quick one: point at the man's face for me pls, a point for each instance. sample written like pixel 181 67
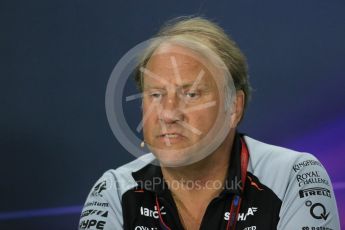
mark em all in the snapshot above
pixel 180 105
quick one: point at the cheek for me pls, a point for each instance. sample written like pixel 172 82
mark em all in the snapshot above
pixel 144 106
pixel 203 120
pixel 149 121
pixel 148 128
pixel 148 111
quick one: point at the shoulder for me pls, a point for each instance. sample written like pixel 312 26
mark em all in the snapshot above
pixel 301 183
pixel 103 206
pixel 122 178
pixel 260 149
pixel 276 166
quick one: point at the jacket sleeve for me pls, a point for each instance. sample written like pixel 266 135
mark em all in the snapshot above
pixel 309 202
pixel 102 209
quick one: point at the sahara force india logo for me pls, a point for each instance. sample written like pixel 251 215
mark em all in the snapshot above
pixel 99 188
pixel 242 216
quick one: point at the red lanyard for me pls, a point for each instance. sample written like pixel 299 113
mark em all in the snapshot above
pixel 236 201
pixel 163 225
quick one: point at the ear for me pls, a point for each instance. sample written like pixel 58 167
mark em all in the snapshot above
pixel 237 109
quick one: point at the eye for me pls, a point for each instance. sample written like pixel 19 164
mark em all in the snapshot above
pixel 192 94
pixel 156 95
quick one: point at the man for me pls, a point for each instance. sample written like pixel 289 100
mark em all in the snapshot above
pixel 203 174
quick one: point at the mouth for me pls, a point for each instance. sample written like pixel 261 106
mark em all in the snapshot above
pixel 171 137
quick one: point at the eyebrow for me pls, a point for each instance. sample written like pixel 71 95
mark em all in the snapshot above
pixel 189 85
pixel 184 86
pixel 146 87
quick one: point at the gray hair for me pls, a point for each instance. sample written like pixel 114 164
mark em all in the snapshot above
pixel 209 35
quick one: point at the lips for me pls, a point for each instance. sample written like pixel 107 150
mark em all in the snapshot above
pixel 173 137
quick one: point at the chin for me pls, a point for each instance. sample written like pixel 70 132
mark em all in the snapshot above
pixel 175 158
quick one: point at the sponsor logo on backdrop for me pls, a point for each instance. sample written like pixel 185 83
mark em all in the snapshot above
pixel 314 192
pixel 312 177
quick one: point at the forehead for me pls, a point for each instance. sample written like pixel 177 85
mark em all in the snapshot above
pixel 185 58
pixel 174 62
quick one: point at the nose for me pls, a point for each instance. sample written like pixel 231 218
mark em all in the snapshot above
pixel 170 110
